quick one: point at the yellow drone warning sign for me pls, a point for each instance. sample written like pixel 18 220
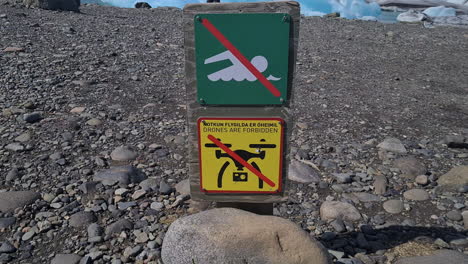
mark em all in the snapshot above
pixel 240 155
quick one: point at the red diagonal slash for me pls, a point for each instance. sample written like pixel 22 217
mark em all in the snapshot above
pixel 241 161
pixel 228 45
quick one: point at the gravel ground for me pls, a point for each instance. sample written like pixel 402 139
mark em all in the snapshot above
pixel 76 87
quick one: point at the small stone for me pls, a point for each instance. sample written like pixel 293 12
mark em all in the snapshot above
pixel 66 259
pixel 28 235
pixel 56 205
pixel 157 206
pixel 416 195
pixel 123 175
pixel 183 187
pixel 9 201
pixel 118 227
pixel 132 252
pixel 140 236
pixel 12 175
pixel 7 222
pixel 81 219
pixel 393 206
pixel 56 156
pixel 78 110
pixel 410 166
pixel 94 122
pixel 454 215
pixel 338 225
pixel 16 147
pixel 380 184
pixel 150 184
pixel 164 188
pixel 125 205
pixel 94 230
pixel 32 117
pixel 343 177
pixel 123 153
pixel 465 219
pixel 302 173
pixel 7 247
pixel 13 49
pixel 422 180
pixel 392 145
pixel 441 243
pixel 25 137
pixel 331 210
pixel 138 194
pixel 121 191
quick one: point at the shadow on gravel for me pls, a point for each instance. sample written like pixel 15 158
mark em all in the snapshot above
pixel 371 240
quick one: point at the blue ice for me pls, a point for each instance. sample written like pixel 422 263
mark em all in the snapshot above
pixel 347 8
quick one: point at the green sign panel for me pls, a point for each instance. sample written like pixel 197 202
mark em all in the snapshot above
pixel 242 59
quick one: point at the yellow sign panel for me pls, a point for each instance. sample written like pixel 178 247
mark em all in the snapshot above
pixel 240 155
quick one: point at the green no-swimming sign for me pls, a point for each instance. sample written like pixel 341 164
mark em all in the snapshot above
pixel 242 59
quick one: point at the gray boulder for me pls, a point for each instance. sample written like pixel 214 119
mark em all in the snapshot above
pixel 9 201
pixel 441 256
pixel 123 175
pixel 65 5
pixel 227 235
pixel 455 178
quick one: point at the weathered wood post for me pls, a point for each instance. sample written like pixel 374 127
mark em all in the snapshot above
pixel 240 63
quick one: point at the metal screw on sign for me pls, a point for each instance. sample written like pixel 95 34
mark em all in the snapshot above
pixel 282 100
pixel 202 101
pixel 286 19
pixel 198 18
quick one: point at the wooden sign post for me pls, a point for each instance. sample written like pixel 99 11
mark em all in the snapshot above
pixel 240 62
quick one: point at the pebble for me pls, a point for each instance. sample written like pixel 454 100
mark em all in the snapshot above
pixel 331 210
pixel 157 206
pixel 25 137
pixel 454 215
pixel 302 173
pixel 7 247
pixel 28 235
pixel 380 184
pixel 123 153
pixel 393 206
pixel 66 259
pixel 16 147
pixel 164 188
pixel 416 195
pixel 81 219
pixel 6 222
pixel 392 145
pixel 422 180
pixel 119 226
pixel 94 122
pixel 138 194
pixel 12 175
pixel 32 117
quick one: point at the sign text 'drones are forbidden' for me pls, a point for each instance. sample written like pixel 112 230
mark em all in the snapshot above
pixel 240 155
pixel 242 59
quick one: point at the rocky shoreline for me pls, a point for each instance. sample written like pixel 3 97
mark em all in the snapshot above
pixel 93 138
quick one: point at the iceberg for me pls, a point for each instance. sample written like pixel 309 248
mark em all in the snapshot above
pixel 440 11
pixel 347 8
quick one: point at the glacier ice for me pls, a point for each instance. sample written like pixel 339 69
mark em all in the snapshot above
pixel 347 8
pixel 439 11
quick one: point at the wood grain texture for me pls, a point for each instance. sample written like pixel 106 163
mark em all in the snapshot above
pixel 195 110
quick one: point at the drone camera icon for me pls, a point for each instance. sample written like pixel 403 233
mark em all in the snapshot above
pixel 240 175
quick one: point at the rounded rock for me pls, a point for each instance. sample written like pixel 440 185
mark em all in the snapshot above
pixel 123 153
pixel 416 195
pixel 393 206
